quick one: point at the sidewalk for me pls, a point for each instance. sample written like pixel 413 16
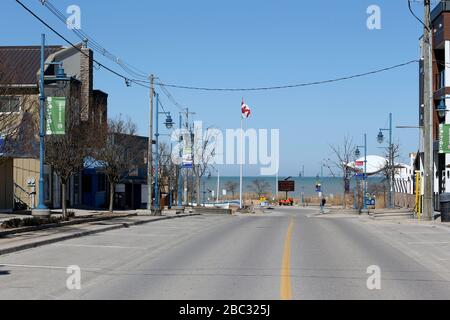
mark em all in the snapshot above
pixel 398 216
pixel 27 240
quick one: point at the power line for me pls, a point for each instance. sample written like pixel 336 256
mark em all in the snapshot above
pixel 145 83
pixel 414 15
pixel 171 98
pixel 135 72
pixel 127 80
pixel 305 84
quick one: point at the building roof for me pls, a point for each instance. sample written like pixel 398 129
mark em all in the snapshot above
pixel 442 6
pixel 375 164
pixel 19 65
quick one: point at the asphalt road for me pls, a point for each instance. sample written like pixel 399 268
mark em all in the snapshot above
pixel 287 254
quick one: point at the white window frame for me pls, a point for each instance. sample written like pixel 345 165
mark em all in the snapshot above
pixel 13 112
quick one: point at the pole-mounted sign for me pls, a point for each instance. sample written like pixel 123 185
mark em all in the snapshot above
pixel 444 138
pixel 188 162
pixel 55 116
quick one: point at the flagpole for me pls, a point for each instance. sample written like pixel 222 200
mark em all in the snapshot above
pixel 242 162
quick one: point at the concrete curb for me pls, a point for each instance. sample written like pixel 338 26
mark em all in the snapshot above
pixel 86 233
pixel 63 224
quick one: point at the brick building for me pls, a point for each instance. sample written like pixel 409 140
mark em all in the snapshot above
pixel 19 119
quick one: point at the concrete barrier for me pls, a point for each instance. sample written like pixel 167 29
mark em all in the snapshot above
pixel 179 210
pixel 203 210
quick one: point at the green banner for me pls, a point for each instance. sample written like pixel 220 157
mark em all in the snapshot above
pixel 55 116
pixel 444 138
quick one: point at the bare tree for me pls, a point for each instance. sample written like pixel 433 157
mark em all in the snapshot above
pixel 167 177
pixel 66 153
pixel 260 187
pixel 232 187
pixel 121 154
pixel 19 120
pixel 344 155
pixel 390 171
pixel 204 153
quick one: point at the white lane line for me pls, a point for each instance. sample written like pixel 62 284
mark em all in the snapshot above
pixel 97 246
pixel 428 242
pixel 41 267
pixel 144 235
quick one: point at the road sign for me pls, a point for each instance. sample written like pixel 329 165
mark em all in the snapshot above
pixel 286 186
pixel 55 116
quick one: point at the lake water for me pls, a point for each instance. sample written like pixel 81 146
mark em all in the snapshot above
pixel 330 185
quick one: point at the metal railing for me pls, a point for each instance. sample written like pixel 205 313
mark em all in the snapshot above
pixel 19 194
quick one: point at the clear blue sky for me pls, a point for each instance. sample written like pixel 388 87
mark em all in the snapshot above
pixel 248 43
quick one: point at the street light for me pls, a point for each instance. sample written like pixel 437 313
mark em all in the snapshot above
pixel 381 139
pixel 60 78
pixel 169 125
pixel 169 122
pixel 442 108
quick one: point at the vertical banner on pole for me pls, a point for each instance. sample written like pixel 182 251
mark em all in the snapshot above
pixel 444 138
pixel 55 116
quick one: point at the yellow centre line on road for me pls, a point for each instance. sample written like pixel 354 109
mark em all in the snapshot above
pixel 285 286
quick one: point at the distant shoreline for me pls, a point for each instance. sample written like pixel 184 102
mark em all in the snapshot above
pixel 331 186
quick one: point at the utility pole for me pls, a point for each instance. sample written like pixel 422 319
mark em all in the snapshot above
pixel 150 147
pixel 392 164
pixel 180 167
pixel 428 203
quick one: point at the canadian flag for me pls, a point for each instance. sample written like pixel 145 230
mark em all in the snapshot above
pixel 246 111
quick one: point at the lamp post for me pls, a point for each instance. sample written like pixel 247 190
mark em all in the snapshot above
pixel 358 154
pixel 42 210
pixel 380 139
pixel 170 181
pixel 169 125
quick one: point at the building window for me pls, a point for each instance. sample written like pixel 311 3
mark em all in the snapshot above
pixel 9 104
pixel 442 79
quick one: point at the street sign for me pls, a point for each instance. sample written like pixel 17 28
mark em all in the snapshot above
pixel 55 116
pixel 359 175
pixel 187 163
pixel 444 138
pixel 286 186
pixel 2 145
pixel 359 164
